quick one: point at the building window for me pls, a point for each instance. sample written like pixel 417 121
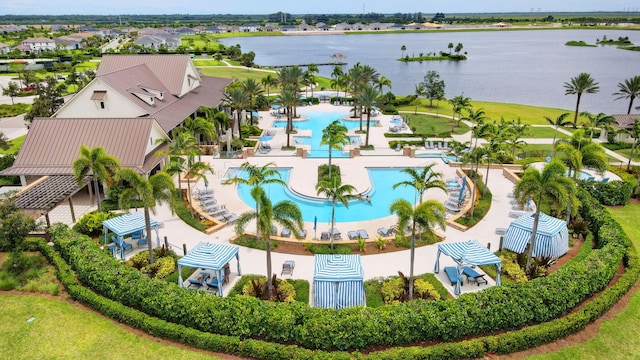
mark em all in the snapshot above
pixel 101 104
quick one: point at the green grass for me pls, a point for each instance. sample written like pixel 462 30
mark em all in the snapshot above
pixel 432 125
pixel 14 146
pixel 211 62
pixel 579 43
pixel 62 330
pixel 236 73
pixel 616 338
pixel 544 133
pixel 496 111
pixel 10 110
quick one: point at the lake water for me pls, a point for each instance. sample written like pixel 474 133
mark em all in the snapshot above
pixel 523 67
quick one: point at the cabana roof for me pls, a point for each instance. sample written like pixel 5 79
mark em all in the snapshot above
pixel 552 236
pixel 338 268
pixel 469 252
pixel 209 256
pixel 127 224
pixel 338 281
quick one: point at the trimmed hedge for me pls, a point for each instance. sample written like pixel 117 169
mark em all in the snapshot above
pixel 609 237
pixel 495 309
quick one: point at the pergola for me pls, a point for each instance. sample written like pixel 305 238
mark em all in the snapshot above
pixel 46 193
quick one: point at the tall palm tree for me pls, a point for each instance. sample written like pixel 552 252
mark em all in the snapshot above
pixel 237 99
pixel 403 48
pixel 258 176
pixel 183 143
pixel 252 88
pixel 285 213
pixel 311 70
pixel 427 215
pixel 368 98
pixel 561 120
pixel 599 120
pixel 291 76
pixel 634 132
pixel 158 189
pixel 515 133
pixel 548 186
pixel 101 165
pixel 335 136
pixel 581 84
pixel 289 99
pixel 198 127
pixel 459 104
pixel 422 180
pixel 269 82
pixel 629 89
pixel 335 192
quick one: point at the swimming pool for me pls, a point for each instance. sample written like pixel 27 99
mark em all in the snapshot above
pixel 381 194
pixel 316 123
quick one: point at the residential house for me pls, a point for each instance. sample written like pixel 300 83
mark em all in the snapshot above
pixel 159 39
pixel 306 27
pixel 249 27
pixel 39 44
pixel 68 42
pixel 269 27
pixel 322 26
pixel 288 27
pixel 4 49
pixel 624 122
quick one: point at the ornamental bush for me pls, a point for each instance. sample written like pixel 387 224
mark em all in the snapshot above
pixel 497 308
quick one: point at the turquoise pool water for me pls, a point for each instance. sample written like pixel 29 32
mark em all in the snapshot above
pixel 382 195
pixel 316 123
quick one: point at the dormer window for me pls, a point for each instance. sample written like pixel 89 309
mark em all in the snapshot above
pixel 143 95
pixel 98 97
pixel 157 93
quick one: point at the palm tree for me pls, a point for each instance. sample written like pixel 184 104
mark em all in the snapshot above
pixel 285 213
pixel 158 189
pixel 337 78
pixel 458 104
pixel 291 76
pixel 558 122
pixel 635 135
pixel 258 176
pixel 268 82
pixel 183 144
pixel 450 46
pixel 101 165
pixel 579 85
pixel 335 192
pixel 548 186
pixel 311 70
pixel 368 98
pixel 629 89
pixel 599 120
pixel 426 215
pixel 403 48
pixel 580 151
pixel 514 133
pixel 476 118
pixel 198 127
pixel 335 136
pixel 252 88
pixel 289 99
pixel 382 82
pixel 422 180
pixel 237 99
pixel 196 170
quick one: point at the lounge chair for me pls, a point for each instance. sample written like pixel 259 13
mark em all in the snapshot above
pixel 363 234
pixel 287 267
pixel 591 178
pixel 230 217
pixel 385 231
pixel 474 276
pixel 285 232
pixel 336 234
pixel 303 234
pixel 208 201
pixel 199 279
pixel 137 235
pixel 452 274
pixel 220 211
pixel 143 241
pixel 352 235
pixel 324 235
pixel 213 282
pixel 516 214
pixel 501 231
pixel 604 180
pixel 451 208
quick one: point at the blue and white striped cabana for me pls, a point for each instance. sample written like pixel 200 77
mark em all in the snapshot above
pixel 338 281
pixel 552 236
pixel 210 257
pixel 467 253
pixel 128 224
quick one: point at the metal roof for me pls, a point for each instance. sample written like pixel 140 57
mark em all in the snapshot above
pixel 52 144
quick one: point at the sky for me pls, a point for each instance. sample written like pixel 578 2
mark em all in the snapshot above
pixel 119 7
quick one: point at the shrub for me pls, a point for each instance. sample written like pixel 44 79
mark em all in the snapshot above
pixel 282 291
pixel 513 270
pixel 382 243
pixel 395 290
pixel 361 243
pixel 611 193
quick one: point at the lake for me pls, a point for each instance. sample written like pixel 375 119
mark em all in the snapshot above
pixel 524 67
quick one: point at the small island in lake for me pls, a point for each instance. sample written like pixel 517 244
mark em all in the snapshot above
pixel 579 43
pixel 433 56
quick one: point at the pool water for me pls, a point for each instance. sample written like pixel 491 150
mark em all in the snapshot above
pixel 316 123
pixel 381 194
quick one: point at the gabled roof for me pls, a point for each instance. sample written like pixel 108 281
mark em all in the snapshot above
pixel 129 81
pixel 37 40
pixel 53 144
pixel 169 69
pixel 625 121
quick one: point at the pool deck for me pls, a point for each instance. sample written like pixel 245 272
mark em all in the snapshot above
pixel 303 180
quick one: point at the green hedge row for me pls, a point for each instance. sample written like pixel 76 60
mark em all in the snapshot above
pixel 611 193
pixel 496 309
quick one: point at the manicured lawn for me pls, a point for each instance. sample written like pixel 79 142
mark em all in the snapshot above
pixel 617 338
pixel 15 146
pixel 198 62
pixel 60 330
pixel 496 111
pixel 545 132
pixel 428 124
pixel 235 73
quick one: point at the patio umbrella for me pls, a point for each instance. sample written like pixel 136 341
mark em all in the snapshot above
pixel 275 106
pixel 395 122
pixel 265 138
